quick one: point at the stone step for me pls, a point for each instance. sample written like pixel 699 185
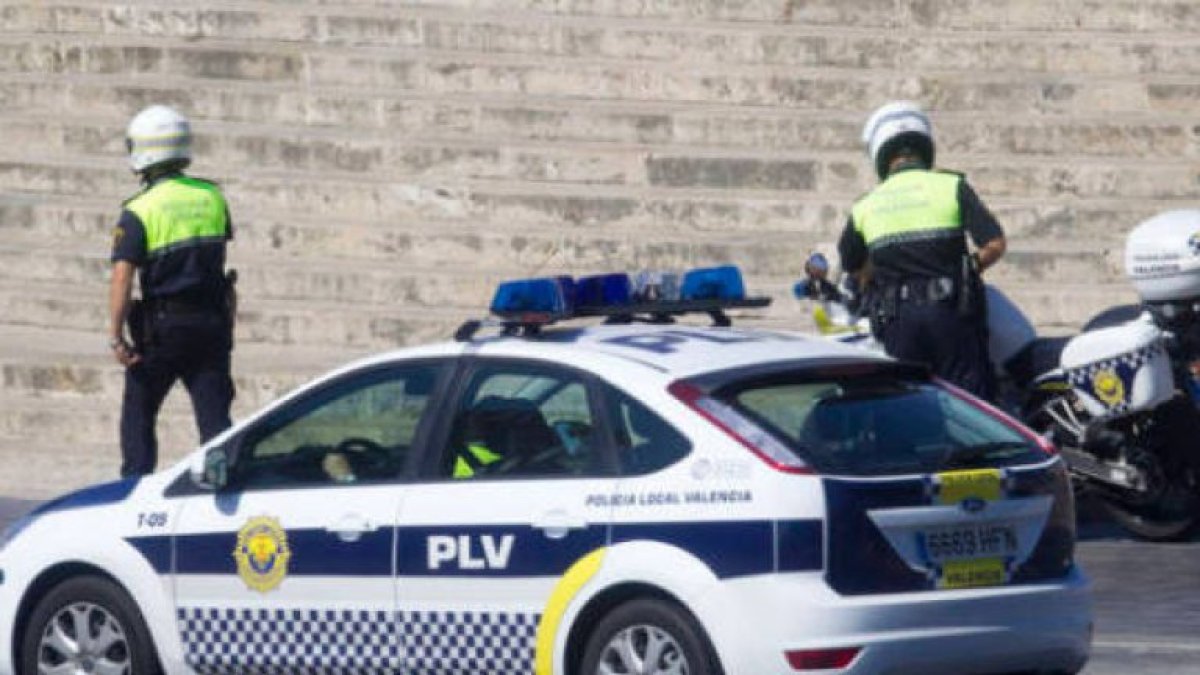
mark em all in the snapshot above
pixel 309 323
pixel 834 169
pixel 262 246
pixel 530 230
pixel 681 179
pixel 486 75
pixel 1038 15
pixel 457 283
pixel 377 247
pixel 796 44
pixel 37 362
pixel 1169 132
pixel 71 422
pixel 283 323
pixel 40 469
pixel 376 21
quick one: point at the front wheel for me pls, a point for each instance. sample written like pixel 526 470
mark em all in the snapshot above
pixel 648 636
pixel 89 625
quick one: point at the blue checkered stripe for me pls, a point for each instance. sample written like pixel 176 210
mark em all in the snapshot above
pixel 1125 366
pixel 468 643
pixel 220 641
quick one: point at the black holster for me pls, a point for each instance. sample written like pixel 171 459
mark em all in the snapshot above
pixel 231 303
pixel 972 299
pixel 880 307
pixel 138 322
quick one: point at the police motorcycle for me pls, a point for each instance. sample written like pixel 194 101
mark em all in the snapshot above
pixel 1120 400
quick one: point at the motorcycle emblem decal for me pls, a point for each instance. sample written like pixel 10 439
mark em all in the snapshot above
pixel 1108 387
pixel 262 554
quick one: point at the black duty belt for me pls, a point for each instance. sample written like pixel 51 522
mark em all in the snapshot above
pixel 176 306
pixel 921 291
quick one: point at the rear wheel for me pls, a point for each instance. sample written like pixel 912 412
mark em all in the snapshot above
pixel 648 636
pixel 1170 513
pixel 87 625
pixel 1169 508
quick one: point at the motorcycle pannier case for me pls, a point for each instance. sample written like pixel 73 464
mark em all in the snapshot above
pixel 1119 370
pixel 1162 257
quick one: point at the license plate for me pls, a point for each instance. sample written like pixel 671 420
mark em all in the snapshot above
pixel 969 542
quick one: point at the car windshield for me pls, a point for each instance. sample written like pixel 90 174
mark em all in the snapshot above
pixel 879 425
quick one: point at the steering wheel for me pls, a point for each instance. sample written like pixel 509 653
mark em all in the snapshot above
pixel 365 455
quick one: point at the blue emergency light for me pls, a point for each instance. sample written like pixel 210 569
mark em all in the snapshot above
pixel 713 283
pixel 604 290
pixel 549 297
pixel 526 305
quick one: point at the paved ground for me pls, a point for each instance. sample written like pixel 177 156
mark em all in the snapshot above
pixel 1147 602
pixel 1147 599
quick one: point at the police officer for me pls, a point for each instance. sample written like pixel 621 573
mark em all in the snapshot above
pixel 174 233
pixel 906 241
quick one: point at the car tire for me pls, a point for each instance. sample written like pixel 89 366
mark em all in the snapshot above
pixel 95 607
pixel 651 627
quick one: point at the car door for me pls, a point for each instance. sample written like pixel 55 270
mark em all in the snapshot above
pixel 490 547
pixel 290 568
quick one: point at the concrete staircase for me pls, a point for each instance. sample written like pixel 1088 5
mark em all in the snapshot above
pixel 388 162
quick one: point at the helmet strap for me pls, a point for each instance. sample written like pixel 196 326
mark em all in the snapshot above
pixel 154 173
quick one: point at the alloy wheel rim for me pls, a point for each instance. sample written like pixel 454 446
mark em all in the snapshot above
pixel 83 639
pixel 642 650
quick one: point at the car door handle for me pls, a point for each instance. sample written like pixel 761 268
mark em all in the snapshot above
pixel 558 524
pixel 351 527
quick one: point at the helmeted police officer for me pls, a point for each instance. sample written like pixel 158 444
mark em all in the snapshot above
pixel 906 240
pixel 174 233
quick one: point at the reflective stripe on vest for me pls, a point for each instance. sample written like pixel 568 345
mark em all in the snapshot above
pixel 180 212
pixel 910 206
pixel 482 456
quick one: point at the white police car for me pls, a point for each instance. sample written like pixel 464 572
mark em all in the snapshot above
pixel 614 499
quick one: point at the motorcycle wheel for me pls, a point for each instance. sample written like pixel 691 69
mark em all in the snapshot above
pixel 1173 514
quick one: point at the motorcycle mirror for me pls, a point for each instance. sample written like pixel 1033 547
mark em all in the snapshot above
pixel 817 266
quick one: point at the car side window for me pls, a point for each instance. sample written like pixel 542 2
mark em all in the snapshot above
pixel 516 421
pixel 645 442
pixel 359 430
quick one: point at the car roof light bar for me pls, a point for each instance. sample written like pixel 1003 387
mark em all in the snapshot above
pixel 525 306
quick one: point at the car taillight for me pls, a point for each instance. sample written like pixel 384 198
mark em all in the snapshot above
pixel 821 659
pixel 1043 443
pixel 754 438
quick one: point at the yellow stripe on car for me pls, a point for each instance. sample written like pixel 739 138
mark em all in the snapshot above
pixel 985 484
pixel 568 586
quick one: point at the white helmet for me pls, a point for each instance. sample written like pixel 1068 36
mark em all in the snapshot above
pixel 156 135
pixel 896 124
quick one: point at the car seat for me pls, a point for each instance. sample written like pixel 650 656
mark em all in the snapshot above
pixel 512 428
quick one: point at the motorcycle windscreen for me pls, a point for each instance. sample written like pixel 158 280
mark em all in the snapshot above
pixel 926 489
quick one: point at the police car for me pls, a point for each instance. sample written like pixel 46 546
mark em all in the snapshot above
pixel 634 497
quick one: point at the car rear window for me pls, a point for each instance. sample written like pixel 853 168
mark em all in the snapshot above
pixel 879 425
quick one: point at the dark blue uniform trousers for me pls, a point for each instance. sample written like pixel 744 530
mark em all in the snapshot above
pixel 194 348
pixel 955 348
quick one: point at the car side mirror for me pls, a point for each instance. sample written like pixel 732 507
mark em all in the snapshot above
pixel 210 470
